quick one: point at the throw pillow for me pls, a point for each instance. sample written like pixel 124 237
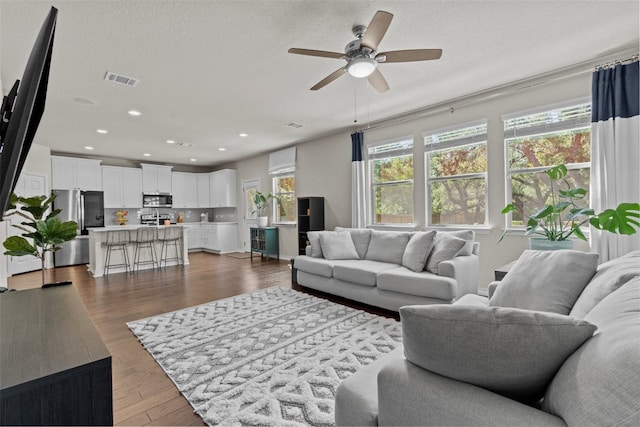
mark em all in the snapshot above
pixel 546 280
pixel 418 249
pixel 360 237
pixel 314 241
pixel 337 245
pixel 469 237
pixel 387 246
pixel 445 247
pixel 509 351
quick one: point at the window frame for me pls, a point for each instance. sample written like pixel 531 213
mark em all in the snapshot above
pixel 476 139
pixel 275 211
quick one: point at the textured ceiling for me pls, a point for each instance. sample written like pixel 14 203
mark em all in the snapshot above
pixel 210 70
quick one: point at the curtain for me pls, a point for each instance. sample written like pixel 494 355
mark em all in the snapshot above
pixel 615 152
pixel 358 190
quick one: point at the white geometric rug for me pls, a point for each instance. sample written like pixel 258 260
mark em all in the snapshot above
pixel 272 358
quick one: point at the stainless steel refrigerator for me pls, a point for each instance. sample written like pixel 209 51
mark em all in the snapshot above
pixel 87 209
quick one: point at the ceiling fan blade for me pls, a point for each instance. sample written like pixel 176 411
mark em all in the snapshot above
pixel 312 52
pixel 376 29
pixel 377 81
pixel 411 55
pixel 331 77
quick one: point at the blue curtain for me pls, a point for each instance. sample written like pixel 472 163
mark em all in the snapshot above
pixel 358 190
pixel 615 151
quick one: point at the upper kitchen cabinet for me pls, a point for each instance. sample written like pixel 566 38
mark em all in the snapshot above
pixel 122 187
pixel 156 178
pixel 69 173
pixel 223 188
pixel 184 189
pixel 203 190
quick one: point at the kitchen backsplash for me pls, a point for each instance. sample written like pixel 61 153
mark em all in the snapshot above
pixel 190 215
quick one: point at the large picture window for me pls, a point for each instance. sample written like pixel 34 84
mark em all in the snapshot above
pixel 456 163
pixel 284 187
pixel 539 139
pixel 391 182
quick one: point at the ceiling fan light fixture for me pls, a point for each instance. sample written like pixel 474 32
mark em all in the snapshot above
pixel 362 67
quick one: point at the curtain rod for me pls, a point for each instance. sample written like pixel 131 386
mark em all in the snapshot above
pixel 631 59
pixel 497 91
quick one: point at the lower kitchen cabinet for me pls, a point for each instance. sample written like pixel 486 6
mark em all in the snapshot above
pixel 212 237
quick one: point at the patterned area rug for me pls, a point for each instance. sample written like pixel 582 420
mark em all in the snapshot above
pixel 273 357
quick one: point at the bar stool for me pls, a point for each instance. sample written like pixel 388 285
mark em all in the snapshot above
pixel 117 240
pixel 145 239
pixel 170 237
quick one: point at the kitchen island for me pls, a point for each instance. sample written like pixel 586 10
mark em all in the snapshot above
pixel 97 248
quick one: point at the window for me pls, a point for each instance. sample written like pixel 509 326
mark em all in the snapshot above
pixel 537 140
pixel 391 180
pixel 456 162
pixel 284 187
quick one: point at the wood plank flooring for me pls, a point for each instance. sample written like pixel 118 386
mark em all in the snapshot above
pixel 142 393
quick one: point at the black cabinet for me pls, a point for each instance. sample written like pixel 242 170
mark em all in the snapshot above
pixel 265 241
pixel 310 218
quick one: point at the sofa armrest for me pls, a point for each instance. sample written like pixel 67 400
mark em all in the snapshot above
pixel 307 250
pixel 464 269
pixel 492 288
pixel 409 395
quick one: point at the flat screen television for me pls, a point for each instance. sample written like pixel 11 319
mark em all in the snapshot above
pixel 22 110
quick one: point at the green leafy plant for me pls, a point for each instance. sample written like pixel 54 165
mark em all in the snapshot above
pixel 261 204
pixel 550 222
pixel 42 227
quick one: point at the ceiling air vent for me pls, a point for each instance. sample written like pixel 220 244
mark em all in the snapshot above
pixel 294 125
pixel 119 78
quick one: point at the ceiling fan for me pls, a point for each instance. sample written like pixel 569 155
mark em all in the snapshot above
pixel 362 54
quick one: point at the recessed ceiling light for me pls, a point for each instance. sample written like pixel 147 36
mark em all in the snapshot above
pixel 103 131
pixel 243 135
pixel 88 147
pixel 193 160
pixel 170 141
pixel 134 113
pixel 222 149
pixel 146 154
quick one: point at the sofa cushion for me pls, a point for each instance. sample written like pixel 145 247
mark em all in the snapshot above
pixel 318 266
pixel 314 242
pixel 337 245
pixel 466 235
pixel 509 351
pixel 445 247
pixel 599 384
pixel 360 237
pixel 609 277
pixel 424 284
pixel 418 249
pixel 546 280
pixel 361 272
pixel 387 246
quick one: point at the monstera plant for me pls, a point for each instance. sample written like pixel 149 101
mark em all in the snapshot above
pixel 563 216
pixel 42 230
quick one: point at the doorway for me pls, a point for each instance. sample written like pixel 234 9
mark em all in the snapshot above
pixel 249 188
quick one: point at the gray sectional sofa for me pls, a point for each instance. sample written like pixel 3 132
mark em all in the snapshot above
pixel 526 357
pixel 389 269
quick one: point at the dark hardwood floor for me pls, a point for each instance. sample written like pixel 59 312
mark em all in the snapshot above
pixel 142 393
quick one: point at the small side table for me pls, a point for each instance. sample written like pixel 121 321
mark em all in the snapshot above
pixel 265 241
pixel 500 272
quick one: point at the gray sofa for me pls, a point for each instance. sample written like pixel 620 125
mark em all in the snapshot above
pixel 595 382
pixel 389 269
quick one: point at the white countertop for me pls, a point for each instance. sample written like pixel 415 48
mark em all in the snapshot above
pixel 136 226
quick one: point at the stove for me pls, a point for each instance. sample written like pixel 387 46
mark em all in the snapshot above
pixel 151 219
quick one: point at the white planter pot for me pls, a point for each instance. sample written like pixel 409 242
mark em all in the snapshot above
pixel 263 221
pixel 542 244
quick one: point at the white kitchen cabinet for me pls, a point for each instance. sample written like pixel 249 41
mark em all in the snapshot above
pixel 223 188
pixel 194 236
pixel 122 187
pixel 203 190
pixel 156 178
pixel 69 173
pixel 184 187
pixel 221 237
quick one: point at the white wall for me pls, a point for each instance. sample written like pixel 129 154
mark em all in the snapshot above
pixel 324 168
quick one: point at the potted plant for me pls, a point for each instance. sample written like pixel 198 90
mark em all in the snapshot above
pixel 42 227
pixel 261 206
pixel 550 223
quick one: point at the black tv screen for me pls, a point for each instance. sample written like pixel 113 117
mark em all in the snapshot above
pixel 25 110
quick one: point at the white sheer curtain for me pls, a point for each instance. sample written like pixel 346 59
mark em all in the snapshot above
pixel 615 152
pixel 358 184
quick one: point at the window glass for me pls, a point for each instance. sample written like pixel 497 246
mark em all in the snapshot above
pixel 284 187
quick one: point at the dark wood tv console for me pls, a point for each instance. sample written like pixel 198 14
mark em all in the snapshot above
pixel 54 367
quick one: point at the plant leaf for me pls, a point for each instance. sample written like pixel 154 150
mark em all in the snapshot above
pixel 557 172
pixel 620 220
pixel 19 246
pixel 574 193
pixel 509 208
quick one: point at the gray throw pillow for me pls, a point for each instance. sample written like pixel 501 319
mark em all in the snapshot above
pixel 446 247
pixel 337 245
pixel 314 241
pixel 360 237
pixel 466 235
pixel 509 351
pixel 418 249
pixel 387 246
pixel 546 280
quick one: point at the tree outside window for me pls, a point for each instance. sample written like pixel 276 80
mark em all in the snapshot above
pixel 284 187
pixel 540 140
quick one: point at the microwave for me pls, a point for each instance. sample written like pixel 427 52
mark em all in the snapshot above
pixel 157 200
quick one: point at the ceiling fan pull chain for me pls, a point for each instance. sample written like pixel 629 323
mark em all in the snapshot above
pixel 355 104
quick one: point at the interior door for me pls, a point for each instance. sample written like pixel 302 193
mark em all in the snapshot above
pixel 249 188
pixel 29 185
